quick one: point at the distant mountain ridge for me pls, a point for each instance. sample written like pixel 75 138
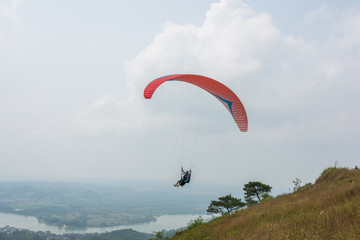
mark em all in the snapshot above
pixel 327 209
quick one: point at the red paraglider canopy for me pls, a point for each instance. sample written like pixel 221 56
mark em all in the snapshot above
pixel 227 97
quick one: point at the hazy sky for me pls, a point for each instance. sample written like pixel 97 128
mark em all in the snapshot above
pixel 72 75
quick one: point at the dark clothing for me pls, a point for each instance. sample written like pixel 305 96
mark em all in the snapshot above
pixel 185 178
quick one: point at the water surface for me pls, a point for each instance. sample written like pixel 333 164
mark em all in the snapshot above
pixel 164 222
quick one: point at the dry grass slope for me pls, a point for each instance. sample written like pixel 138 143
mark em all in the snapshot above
pixel 328 209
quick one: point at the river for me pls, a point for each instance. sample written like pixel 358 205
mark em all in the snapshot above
pixel 164 222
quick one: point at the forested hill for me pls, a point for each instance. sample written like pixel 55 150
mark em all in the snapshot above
pixel 327 209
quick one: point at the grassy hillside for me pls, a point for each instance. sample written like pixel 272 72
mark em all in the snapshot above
pixel 328 209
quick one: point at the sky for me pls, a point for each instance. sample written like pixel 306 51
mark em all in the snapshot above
pixel 72 75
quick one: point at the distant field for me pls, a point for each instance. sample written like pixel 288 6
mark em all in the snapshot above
pixel 34 205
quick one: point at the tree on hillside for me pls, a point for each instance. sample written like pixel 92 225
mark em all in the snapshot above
pixel 226 204
pixel 297 185
pixel 159 236
pixel 254 192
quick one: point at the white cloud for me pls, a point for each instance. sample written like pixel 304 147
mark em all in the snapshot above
pixel 8 9
pixel 320 14
pixel 229 43
pixel 92 44
pixel 330 69
pixel 108 115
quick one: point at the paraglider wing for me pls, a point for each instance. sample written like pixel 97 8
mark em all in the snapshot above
pixel 227 97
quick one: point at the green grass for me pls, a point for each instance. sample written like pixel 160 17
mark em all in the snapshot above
pixel 328 209
pixel 32 205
